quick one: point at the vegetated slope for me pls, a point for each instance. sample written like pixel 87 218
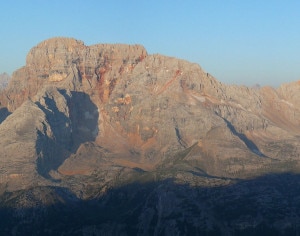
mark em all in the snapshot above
pixel 86 120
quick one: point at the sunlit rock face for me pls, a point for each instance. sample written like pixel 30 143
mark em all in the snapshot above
pixel 84 122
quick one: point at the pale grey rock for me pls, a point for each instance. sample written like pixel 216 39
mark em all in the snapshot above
pixel 4 80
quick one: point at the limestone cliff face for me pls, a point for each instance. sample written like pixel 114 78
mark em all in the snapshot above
pixel 75 107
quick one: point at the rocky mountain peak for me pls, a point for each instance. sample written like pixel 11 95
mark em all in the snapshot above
pixel 97 67
pixel 54 54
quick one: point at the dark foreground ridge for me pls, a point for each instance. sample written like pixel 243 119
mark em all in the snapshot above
pixel 267 205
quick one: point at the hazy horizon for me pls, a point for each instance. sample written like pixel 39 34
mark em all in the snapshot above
pixel 238 42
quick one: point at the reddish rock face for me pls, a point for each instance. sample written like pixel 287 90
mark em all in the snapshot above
pixel 97 67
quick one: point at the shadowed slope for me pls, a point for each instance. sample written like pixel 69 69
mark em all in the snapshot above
pixel 264 206
pixel 73 120
pixel 3 114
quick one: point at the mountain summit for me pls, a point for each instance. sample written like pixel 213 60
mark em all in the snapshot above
pixel 79 121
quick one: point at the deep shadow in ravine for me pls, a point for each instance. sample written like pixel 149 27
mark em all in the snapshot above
pixel 4 113
pixel 249 143
pixel 69 132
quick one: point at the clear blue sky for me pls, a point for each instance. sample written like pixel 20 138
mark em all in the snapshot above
pixel 241 41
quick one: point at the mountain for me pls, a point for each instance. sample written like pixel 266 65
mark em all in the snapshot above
pixel 123 142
